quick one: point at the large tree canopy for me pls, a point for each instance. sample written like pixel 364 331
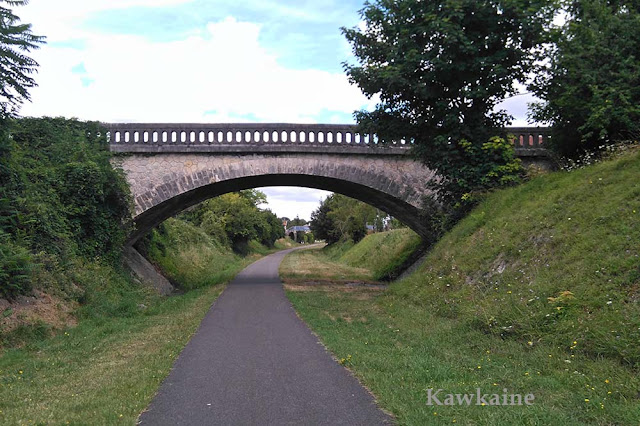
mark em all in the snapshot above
pixel 439 69
pixel 591 84
pixel 16 67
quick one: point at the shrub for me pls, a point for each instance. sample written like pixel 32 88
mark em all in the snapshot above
pixel 60 195
pixel 15 268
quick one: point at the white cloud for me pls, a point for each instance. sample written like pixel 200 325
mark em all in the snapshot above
pixel 224 70
pixel 517 106
pixel 293 201
pixel 218 74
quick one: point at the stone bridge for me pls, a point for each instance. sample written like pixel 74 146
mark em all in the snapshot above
pixel 171 167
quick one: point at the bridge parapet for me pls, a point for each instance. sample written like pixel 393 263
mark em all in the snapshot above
pixel 277 137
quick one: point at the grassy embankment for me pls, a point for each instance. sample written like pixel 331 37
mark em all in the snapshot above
pixel 107 369
pixel 536 292
pixel 377 257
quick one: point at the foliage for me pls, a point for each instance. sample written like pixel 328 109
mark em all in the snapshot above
pixel 237 219
pixel 339 218
pixel 69 195
pixel 60 196
pixel 298 237
pixel 440 68
pixel 15 268
pixel 272 230
pixel 189 256
pixel 309 238
pixel 591 83
pixel 16 40
pixel 296 222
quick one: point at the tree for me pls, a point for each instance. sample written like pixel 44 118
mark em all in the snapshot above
pixel 322 224
pixel 340 218
pixel 273 229
pixel 591 84
pixel 16 67
pixel 235 218
pixel 309 238
pixel 254 196
pixel 440 68
pixel 297 222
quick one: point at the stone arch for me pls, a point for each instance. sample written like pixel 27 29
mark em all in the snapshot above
pixel 165 184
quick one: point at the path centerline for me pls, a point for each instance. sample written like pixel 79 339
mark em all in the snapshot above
pixel 252 361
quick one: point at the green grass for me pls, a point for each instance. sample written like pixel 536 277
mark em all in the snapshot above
pixel 102 371
pixel 108 368
pixel 385 253
pixel 399 350
pixel 191 259
pixel 314 264
pixel 377 257
pixel 536 291
pixel 553 261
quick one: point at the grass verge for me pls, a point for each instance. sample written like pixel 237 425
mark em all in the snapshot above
pixel 399 350
pixel 102 371
pixel 315 264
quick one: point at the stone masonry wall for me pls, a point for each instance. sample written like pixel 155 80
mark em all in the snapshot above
pixel 155 178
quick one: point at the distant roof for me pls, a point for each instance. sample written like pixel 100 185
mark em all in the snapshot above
pixel 304 228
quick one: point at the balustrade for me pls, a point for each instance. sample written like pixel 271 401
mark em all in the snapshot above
pixel 141 135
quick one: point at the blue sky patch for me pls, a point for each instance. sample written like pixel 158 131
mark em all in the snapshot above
pixel 335 117
pixel 79 69
pixel 87 81
pixel 302 35
pixel 77 44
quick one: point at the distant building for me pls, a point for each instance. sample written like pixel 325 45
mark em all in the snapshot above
pixel 295 230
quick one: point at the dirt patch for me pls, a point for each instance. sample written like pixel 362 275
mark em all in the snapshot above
pixel 40 307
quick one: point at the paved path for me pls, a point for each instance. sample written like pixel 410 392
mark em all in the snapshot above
pixel 254 362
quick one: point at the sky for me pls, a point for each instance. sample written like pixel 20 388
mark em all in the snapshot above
pixel 202 61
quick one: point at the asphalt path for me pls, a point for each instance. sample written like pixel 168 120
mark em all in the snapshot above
pixel 254 362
